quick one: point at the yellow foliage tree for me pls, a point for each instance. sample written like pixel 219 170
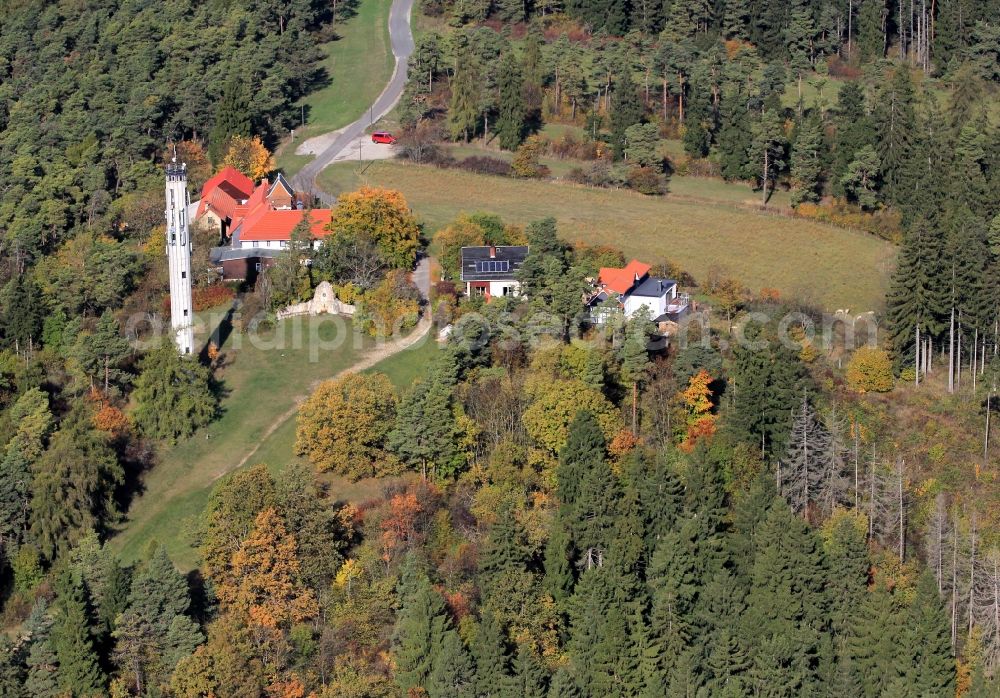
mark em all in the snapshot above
pixel 386 313
pixel 385 217
pixel 555 405
pixel 250 156
pixel 870 370
pixel 343 425
pixel 697 397
pixel 449 241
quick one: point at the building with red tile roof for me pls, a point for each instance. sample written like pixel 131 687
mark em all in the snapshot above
pixel 259 225
pixel 221 196
pixel 623 279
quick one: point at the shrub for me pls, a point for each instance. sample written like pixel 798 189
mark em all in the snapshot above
pixel 870 370
pixel 647 180
pixel 205 297
pixel 482 164
pixel 526 160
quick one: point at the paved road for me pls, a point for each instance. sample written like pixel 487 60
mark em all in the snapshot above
pixel 401 39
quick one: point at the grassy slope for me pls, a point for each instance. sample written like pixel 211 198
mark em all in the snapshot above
pixel 702 223
pixel 359 65
pixel 261 384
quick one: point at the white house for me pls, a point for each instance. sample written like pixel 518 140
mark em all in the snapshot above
pixel 491 270
pixel 629 288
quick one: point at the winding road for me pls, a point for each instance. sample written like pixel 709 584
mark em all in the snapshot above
pixel 401 40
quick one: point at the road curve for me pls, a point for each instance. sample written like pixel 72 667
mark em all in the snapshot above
pixel 401 40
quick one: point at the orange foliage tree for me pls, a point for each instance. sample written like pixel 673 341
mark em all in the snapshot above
pixel 250 156
pixel 697 398
pixel 265 588
pixel 385 217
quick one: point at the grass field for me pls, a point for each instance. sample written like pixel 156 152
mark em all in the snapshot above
pixel 703 223
pixel 359 65
pixel 261 384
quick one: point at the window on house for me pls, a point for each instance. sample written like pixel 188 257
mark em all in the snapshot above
pixel 479 290
pixel 492 265
pixel 257 266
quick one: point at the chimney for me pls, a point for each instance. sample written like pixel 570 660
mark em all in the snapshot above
pixel 493 252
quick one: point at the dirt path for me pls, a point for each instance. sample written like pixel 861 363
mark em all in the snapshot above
pixel 421 278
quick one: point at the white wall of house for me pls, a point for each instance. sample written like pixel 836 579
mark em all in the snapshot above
pixel 504 288
pixel 657 306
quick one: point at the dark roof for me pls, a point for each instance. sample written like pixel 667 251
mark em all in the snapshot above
pixel 503 265
pixel 224 254
pixel 280 180
pixel 652 288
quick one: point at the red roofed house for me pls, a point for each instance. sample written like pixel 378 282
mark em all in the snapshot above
pixel 259 226
pixel 627 289
pixel 220 197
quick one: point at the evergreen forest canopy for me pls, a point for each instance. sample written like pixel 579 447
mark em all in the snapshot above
pixel 541 516
pixel 91 93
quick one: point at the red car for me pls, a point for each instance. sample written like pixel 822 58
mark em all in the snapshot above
pixel 383 137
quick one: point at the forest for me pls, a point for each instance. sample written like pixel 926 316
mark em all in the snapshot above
pixel 549 509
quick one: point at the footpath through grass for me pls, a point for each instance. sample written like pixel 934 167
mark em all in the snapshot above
pixel 701 224
pixel 261 382
pixel 359 65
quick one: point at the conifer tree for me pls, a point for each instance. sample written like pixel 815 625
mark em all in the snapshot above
pixel 896 126
pixel 800 33
pixel 422 624
pixel 635 368
pixel 660 496
pixel 424 433
pixel 734 138
pixel 510 120
pixel 595 514
pixel 452 675
pixel 73 642
pixel 563 685
pixel 846 547
pixel 673 587
pixel 529 677
pixel 874 652
pixel 173 395
pixel 23 313
pixel 767 149
pixel 490 655
pixel 854 131
pixel 463 116
pixel 927 661
pixel 871 39
pixel 748 517
pixel 808 457
pixel 232 118
pixel 584 449
pixel 807 161
pixel 74 485
pixel 558 581
pixel 786 606
pixel 41 662
pixel 626 110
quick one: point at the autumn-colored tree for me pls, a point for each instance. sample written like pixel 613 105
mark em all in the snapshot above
pixel 526 160
pixel 192 154
pixel 697 398
pixel 384 215
pixel 399 526
pixel 265 586
pixel 449 241
pixel 555 405
pixel 870 370
pixel 250 156
pixel 343 425
pixel 386 310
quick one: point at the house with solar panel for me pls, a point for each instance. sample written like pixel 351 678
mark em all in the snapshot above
pixel 491 270
pixel 625 290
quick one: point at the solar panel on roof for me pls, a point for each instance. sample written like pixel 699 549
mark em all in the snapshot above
pixel 492 265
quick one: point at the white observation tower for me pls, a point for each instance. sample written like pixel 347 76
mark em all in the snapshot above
pixel 179 257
